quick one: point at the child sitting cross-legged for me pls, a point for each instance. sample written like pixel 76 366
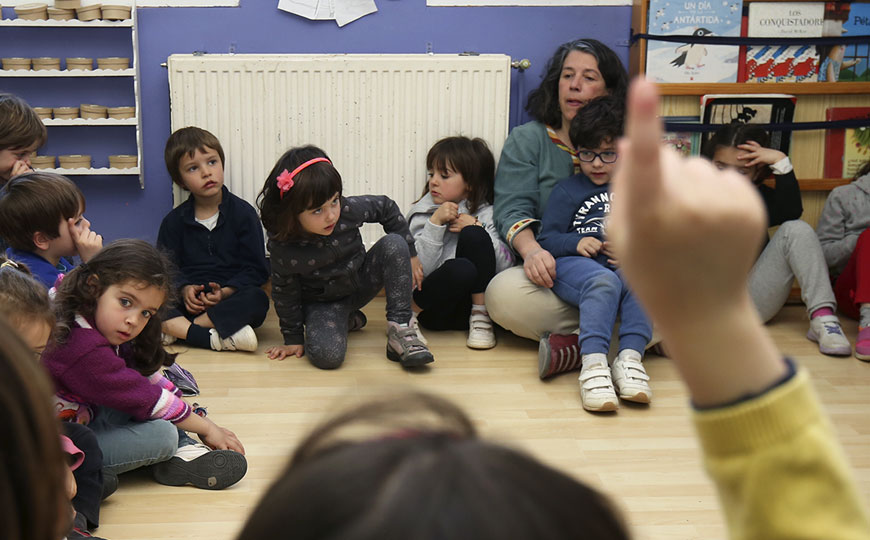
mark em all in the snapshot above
pixel 573 229
pixel 216 241
pixel 42 220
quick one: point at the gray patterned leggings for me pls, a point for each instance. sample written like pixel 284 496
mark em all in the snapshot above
pixel 387 265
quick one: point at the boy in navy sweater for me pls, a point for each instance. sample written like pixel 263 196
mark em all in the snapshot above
pixel 216 241
pixel 573 229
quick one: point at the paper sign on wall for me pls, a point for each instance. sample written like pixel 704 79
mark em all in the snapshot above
pixel 342 11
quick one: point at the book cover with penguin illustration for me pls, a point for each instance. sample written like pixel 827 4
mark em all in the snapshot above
pixel 693 62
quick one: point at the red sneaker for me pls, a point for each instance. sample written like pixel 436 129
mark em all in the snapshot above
pixel 558 353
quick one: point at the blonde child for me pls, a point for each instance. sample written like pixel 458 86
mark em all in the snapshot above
pixel 321 272
pixel 25 305
pixel 574 231
pixel 794 251
pixel 843 232
pixel 106 364
pixel 42 220
pixel 457 243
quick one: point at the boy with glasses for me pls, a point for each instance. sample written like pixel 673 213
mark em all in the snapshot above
pixel 573 230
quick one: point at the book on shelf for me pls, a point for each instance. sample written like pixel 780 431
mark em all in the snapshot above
pixel 846 150
pixel 687 143
pixel 783 63
pixel 845 63
pixel 669 62
pixel 750 109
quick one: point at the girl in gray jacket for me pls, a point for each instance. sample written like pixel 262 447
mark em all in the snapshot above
pixel 459 247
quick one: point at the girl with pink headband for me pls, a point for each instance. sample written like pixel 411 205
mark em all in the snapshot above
pixel 321 272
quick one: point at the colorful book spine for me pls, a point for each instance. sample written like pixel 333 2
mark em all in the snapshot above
pixel 846 150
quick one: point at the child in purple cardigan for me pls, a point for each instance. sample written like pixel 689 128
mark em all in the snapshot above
pixel 105 369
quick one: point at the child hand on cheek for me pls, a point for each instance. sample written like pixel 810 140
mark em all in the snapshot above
pixel 87 242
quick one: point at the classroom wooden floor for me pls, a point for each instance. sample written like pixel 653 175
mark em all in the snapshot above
pixel 646 458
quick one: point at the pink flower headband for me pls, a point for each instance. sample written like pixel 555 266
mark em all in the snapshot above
pixel 285 179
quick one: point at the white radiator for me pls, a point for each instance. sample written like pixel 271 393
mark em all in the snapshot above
pixel 376 116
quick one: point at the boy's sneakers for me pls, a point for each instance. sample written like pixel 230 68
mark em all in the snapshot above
pixel 596 387
pixel 182 379
pixel 630 378
pixel 201 466
pixel 356 321
pixel 557 353
pixel 243 340
pixel 862 345
pixel 480 331
pixel 405 347
pixel 826 331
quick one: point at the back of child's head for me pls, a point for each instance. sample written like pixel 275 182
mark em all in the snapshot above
pixel 185 142
pixel 413 467
pixel 123 261
pixel 472 159
pixel 310 187
pixel 733 135
pixel 33 500
pixel 23 300
pixel 37 202
pixel 600 121
pixel 20 126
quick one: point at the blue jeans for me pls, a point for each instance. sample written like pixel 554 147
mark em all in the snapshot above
pixel 128 444
pixel 601 294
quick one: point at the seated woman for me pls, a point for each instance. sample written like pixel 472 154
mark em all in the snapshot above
pixel 535 156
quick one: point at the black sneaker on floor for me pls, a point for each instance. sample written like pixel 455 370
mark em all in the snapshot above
pixel 211 469
pixel 110 483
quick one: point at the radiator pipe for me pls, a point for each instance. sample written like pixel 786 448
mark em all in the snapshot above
pixel 521 65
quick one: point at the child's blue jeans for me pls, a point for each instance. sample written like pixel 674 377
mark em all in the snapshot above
pixel 601 294
pixel 128 444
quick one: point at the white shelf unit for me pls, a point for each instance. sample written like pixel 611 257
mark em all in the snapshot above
pixel 132 72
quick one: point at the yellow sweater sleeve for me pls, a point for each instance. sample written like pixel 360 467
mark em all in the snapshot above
pixel 780 472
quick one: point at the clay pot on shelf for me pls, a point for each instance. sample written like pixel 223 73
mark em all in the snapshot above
pixel 113 62
pixel 119 113
pixel 43 112
pixel 67 4
pixel 13 64
pixel 60 14
pixel 46 63
pixel 42 162
pixel 75 161
pixel 66 113
pixel 89 13
pixel 92 111
pixel 86 64
pixel 123 161
pixel 32 12
pixel 116 13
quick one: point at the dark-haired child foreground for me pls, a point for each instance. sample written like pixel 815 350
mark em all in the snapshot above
pixel 457 243
pixel 780 472
pixel 793 252
pixel 106 371
pixel 21 133
pixel 574 229
pixel 321 272
pixel 215 240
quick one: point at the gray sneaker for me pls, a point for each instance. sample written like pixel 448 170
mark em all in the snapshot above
pixel 405 347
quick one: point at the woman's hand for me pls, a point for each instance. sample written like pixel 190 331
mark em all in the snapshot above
pixel 460 222
pixel 755 154
pixel 280 352
pixel 589 246
pixel 446 213
pixel 540 267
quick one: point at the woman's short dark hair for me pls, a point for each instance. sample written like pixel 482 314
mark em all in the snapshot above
pixel 543 102
pixel 413 467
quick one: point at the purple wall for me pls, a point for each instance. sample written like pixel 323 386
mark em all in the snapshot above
pixel 118 208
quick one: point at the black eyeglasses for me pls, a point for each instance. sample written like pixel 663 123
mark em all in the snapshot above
pixel 589 156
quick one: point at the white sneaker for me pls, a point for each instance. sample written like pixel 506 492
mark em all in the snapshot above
pixel 480 332
pixel 630 377
pixel 826 331
pixel 596 387
pixel 243 340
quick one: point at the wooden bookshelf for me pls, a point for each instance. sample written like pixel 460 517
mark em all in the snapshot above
pixel 796 88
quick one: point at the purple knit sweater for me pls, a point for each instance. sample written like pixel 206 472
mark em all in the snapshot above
pixel 89 373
